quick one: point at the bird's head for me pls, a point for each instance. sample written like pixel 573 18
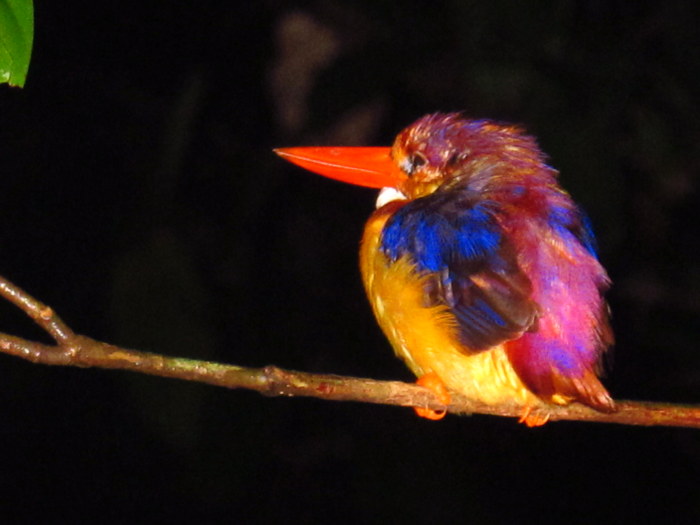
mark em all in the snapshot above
pixel 438 151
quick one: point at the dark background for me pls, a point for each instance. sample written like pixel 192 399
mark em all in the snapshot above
pixel 139 197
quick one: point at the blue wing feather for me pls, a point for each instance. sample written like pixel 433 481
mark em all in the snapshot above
pixel 568 220
pixel 455 239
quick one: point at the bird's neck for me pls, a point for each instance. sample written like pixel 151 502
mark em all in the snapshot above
pixel 529 185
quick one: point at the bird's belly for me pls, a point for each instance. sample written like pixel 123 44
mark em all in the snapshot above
pixel 425 336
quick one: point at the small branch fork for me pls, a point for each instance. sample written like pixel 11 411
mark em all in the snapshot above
pixel 71 349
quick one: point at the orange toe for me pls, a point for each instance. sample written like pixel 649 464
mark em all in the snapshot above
pixel 432 382
pixel 533 419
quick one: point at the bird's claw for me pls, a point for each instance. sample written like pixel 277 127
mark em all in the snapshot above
pixel 432 382
pixel 533 419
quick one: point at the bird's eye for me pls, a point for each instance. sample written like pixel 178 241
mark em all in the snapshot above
pixel 415 161
pixel 457 157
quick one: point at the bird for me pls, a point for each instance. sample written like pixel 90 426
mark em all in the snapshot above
pixel 481 270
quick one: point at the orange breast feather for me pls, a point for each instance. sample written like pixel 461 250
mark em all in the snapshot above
pixel 425 336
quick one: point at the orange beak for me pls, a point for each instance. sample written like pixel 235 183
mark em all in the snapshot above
pixel 370 167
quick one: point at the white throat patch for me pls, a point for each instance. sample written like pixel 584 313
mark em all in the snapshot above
pixel 387 195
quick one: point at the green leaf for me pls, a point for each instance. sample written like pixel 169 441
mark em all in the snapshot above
pixel 16 36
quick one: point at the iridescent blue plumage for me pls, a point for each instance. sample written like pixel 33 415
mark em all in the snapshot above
pixel 454 238
pixel 569 221
pixel 442 228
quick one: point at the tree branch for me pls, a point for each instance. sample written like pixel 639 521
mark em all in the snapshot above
pixel 72 349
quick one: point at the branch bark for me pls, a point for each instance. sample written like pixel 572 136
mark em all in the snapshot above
pixel 71 349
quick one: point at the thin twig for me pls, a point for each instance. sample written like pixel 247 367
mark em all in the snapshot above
pixel 40 313
pixel 77 350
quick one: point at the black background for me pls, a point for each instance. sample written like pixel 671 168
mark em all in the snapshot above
pixel 139 197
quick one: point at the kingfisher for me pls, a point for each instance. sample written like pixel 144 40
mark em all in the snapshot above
pixel 481 270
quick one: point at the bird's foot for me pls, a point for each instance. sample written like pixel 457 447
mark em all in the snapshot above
pixel 432 382
pixel 533 419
